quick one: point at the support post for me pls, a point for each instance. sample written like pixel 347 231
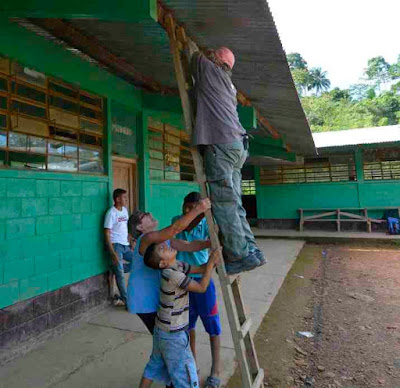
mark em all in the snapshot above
pixel 143 162
pixel 107 149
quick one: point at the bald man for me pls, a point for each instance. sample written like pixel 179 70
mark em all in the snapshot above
pixel 224 145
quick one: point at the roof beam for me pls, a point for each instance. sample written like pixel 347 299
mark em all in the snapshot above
pixel 118 10
pixel 90 46
pixel 258 150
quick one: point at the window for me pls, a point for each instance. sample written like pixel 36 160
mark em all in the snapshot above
pixel 381 164
pixel 335 168
pixel 248 187
pixel 47 124
pixel 170 156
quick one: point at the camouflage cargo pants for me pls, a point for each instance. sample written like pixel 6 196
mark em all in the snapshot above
pixel 223 164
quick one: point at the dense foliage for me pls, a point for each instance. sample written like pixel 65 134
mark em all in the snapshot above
pixel 373 102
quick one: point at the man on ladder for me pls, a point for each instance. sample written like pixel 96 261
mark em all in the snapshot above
pixel 223 143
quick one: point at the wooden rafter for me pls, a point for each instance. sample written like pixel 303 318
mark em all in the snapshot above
pixel 89 45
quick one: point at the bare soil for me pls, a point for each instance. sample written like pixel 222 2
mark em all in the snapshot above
pixel 348 297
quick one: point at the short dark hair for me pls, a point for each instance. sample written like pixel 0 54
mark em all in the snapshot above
pixel 192 197
pixel 117 193
pixel 150 258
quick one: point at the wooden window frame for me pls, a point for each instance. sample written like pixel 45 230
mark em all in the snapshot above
pixel 311 171
pixel 249 185
pixel 43 130
pixel 167 132
pixel 384 166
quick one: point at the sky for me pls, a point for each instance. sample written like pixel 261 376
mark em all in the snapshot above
pixel 339 35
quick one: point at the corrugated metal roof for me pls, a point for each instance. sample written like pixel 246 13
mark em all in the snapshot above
pixel 376 135
pixel 247 27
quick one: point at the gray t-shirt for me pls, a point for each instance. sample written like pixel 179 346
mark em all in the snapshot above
pixel 217 120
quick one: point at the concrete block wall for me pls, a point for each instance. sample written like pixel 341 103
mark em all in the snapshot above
pixel 166 199
pixel 50 232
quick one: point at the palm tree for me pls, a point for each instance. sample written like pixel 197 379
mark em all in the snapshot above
pixel 318 80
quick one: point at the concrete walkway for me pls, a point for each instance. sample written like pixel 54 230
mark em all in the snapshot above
pixel 112 348
pixel 322 234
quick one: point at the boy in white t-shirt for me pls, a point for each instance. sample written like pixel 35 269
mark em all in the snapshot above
pixel 116 238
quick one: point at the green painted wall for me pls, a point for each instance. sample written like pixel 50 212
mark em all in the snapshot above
pixel 50 232
pixel 384 193
pixel 166 199
pixel 283 201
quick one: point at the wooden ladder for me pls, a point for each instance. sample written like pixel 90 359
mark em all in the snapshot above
pixel 252 375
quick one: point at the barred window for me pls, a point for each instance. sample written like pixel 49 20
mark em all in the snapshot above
pixel 170 156
pixel 47 124
pixel 248 187
pixel 333 169
pixel 381 164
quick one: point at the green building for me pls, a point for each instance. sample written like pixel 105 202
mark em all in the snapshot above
pixel 89 102
pixel 354 169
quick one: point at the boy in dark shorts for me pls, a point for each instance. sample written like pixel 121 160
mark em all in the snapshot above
pixel 201 305
pixel 171 359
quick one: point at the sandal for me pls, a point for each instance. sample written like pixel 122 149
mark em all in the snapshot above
pixel 212 382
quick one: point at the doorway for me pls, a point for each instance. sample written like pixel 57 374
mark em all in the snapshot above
pixel 124 177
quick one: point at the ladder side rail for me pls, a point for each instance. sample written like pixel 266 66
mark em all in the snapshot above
pixel 248 341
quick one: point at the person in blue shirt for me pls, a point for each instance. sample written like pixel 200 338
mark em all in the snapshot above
pixel 201 305
pixel 143 291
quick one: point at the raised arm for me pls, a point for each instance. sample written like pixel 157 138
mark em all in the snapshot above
pixel 178 226
pixel 193 246
pixel 201 287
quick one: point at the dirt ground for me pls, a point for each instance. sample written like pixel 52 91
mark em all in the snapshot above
pixel 348 297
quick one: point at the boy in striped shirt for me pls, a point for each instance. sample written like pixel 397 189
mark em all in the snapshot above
pixel 171 359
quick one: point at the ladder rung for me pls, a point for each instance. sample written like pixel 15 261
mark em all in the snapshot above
pixel 233 278
pixel 230 279
pixel 245 328
pixel 259 380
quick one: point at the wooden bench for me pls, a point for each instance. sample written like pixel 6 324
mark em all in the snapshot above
pixel 349 214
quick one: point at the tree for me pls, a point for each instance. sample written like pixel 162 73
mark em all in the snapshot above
pixel 360 92
pixel 339 94
pixel 318 80
pixel 326 114
pixel 378 71
pixel 394 70
pixel 301 78
pixel 296 61
pixel 362 105
pixel 385 108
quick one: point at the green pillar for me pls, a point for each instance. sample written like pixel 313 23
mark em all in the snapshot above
pixel 143 162
pixel 258 187
pixel 358 158
pixel 107 149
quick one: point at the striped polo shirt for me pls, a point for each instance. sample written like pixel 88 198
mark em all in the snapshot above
pixel 173 310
